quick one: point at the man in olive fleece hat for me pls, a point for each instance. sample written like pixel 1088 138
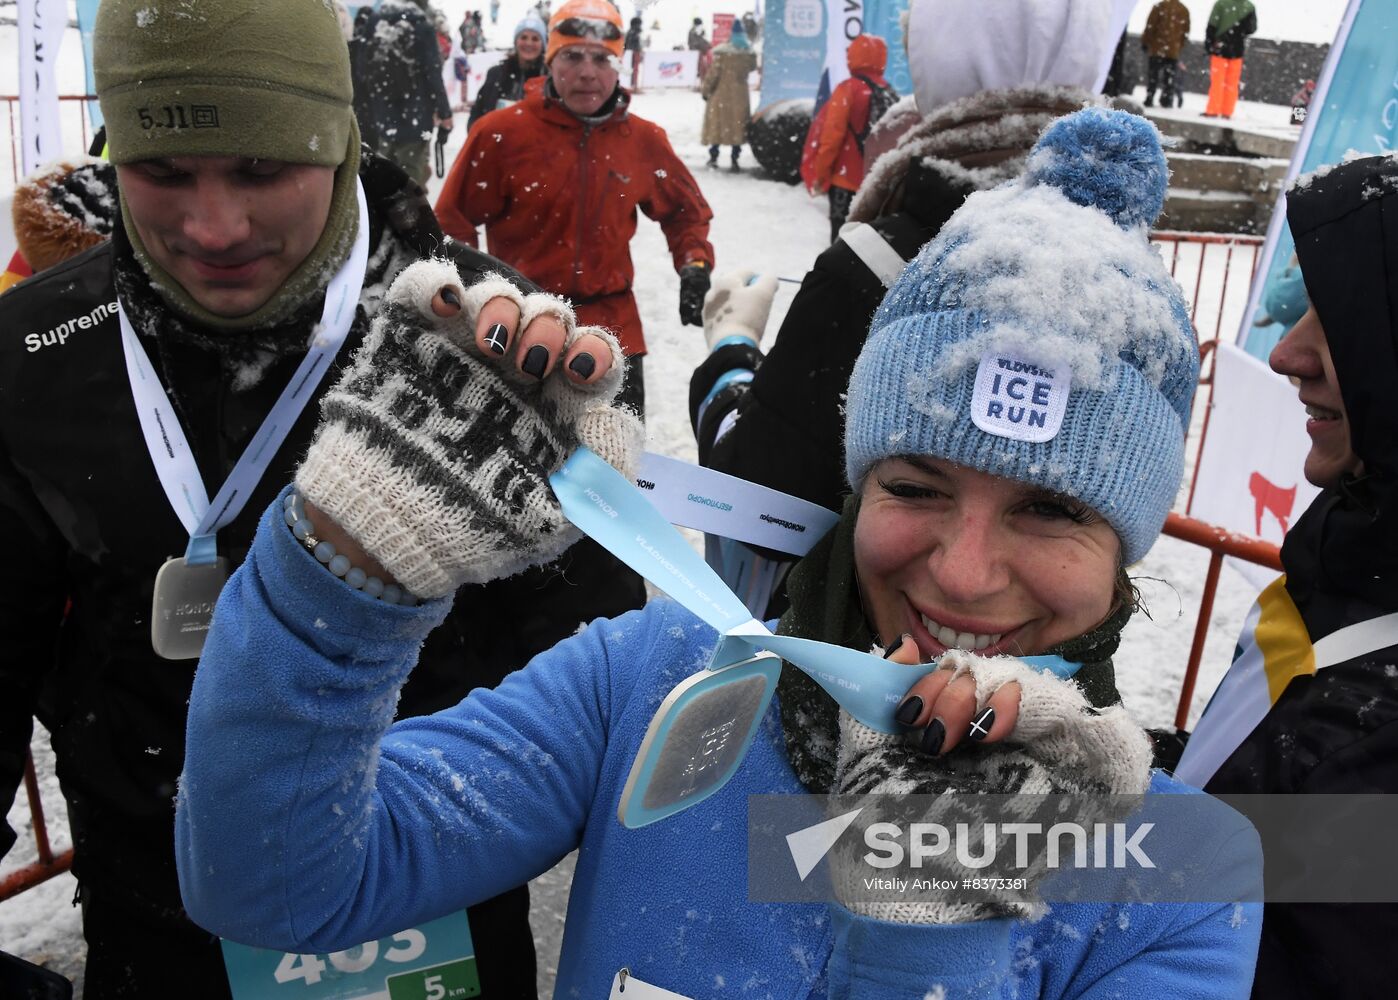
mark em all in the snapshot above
pixel 254 231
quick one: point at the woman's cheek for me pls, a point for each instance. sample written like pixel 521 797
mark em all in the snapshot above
pixel 1076 586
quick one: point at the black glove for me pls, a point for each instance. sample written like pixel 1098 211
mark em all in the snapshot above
pixel 440 149
pixel 694 285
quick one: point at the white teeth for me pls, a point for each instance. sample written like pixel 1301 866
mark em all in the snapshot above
pixel 958 640
pixel 1319 413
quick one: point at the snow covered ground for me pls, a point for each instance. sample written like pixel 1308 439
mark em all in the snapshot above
pixel 766 227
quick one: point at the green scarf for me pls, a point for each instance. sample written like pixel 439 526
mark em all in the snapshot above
pixel 825 605
pixel 1227 13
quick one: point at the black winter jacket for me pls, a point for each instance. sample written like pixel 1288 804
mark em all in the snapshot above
pixel 86 525
pixel 503 82
pixel 1337 730
pixel 397 67
pixel 1233 43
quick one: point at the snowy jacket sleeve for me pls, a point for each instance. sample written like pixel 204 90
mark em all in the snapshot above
pixel 834 133
pixel 1151 36
pixel 301 826
pixel 472 193
pixel 677 204
pixel 711 79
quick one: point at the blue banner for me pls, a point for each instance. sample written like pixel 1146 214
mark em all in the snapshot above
pixel 87 17
pixel 797 34
pixel 1355 109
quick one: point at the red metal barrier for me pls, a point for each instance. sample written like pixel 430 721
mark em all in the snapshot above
pixel 48 864
pixel 1220 543
pixel 1241 257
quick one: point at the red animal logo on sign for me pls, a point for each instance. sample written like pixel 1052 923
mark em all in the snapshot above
pixel 1272 499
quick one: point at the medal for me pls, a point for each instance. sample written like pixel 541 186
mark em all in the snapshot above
pixel 183 608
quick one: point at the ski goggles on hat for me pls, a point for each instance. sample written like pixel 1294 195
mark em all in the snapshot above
pixel 593 28
pixel 574 57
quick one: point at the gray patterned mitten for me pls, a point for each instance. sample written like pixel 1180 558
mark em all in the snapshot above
pixel 437 461
pixel 1060 745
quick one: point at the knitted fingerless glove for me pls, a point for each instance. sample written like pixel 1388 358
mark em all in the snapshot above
pixel 436 461
pixel 1060 745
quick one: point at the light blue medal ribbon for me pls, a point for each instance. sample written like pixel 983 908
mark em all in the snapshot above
pixel 600 501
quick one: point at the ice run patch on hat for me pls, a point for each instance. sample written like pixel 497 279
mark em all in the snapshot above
pixel 1020 399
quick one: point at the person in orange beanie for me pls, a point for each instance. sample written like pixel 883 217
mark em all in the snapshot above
pixel 557 179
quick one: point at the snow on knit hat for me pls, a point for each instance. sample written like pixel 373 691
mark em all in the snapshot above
pixel 585 22
pixel 257 78
pixel 1039 337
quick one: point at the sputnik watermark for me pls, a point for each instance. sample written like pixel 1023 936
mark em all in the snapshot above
pixel 976 846
pixel 1026 848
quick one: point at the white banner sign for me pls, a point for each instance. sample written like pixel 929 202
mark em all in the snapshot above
pixel 844 21
pixel 41 26
pixel 479 64
pixel 1250 471
pixel 665 69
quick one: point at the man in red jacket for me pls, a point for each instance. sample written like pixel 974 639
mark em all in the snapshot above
pixel 556 180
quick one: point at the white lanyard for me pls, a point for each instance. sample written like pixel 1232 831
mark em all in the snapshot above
pixel 165 438
pixel 720 504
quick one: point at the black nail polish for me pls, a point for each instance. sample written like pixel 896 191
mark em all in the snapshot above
pixel 980 725
pixel 897 645
pixel 450 297
pixel 909 710
pixel 497 338
pixel 583 365
pixel 536 359
pixel 933 737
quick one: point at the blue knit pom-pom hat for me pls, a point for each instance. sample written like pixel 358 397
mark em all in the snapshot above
pixel 1040 337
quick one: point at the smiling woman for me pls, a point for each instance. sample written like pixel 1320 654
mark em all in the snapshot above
pixel 959 558
pixel 972 538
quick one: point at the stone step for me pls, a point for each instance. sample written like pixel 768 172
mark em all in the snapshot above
pixel 1205 135
pixel 1254 176
pixel 1205 211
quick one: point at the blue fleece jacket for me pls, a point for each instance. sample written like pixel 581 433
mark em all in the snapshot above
pixel 305 823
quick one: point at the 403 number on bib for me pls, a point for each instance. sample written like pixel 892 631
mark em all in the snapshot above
pixel 435 961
